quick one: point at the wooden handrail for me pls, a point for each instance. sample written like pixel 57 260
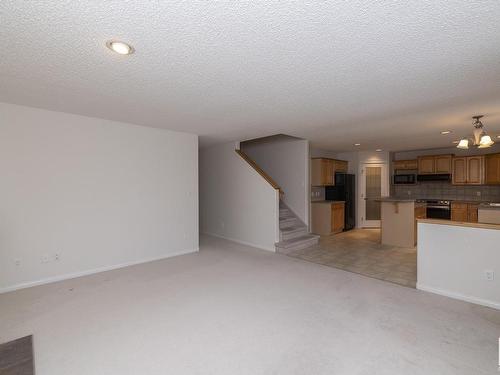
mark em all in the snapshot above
pixel 259 170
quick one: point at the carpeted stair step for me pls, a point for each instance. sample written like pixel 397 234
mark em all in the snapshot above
pixel 298 243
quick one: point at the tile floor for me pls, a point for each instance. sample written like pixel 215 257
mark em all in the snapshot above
pixel 360 251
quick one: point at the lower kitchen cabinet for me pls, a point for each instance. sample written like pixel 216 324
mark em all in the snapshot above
pixel 420 213
pixel 464 212
pixel 338 213
pixel 327 217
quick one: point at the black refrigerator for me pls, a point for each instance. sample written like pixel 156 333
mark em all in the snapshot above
pixel 344 190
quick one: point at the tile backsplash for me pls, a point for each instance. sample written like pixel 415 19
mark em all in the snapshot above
pixel 445 190
pixel 317 193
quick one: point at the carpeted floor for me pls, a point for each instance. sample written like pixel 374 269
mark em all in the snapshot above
pixel 360 251
pixel 232 309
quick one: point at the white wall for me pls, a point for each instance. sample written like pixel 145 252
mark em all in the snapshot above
pixel 286 160
pixel 99 193
pixel 235 201
pixel 452 260
pixel 322 153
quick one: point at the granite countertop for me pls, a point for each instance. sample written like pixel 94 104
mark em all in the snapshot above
pixel 394 199
pixel 486 206
pixel 459 223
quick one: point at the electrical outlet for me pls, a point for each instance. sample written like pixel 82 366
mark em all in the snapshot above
pixel 17 262
pixel 489 275
pixel 478 193
pixel 57 256
pixel 45 258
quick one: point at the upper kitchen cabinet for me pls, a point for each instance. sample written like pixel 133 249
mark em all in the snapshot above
pixel 323 171
pixel 404 165
pixel 443 163
pixel 434 164
pixel 426 165
pixel 493 169
pixel 340 166
pixel 468 170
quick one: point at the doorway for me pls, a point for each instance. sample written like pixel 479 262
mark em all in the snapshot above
pixel 374 183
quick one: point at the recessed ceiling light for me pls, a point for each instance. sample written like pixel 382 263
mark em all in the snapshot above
pixel 121 48
pixel 444 132
pixel 357 144
pixel 378 149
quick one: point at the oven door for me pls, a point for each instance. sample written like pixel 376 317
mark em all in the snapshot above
pixel 438 212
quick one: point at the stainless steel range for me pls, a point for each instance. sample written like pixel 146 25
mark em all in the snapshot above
pixel 437 209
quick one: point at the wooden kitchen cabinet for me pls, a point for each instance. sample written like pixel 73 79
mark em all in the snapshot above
pixel 426 165
pixel 340 166
pixel 492 162
pixel 420 212
pixel 401 165
pixel 442 163
pixel 475 170
pixel 323 171
pixel 472 212
pixel 464 212
pixel 459 174
pixel 434 164
pixel 327 217
pixel 468 170
pixel 338 210
pixel 459 211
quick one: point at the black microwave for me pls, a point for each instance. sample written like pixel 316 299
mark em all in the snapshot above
pixel 405 179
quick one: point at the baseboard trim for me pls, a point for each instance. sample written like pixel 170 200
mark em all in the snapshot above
pixel 74 275
pixel 459 296
pixel 273 249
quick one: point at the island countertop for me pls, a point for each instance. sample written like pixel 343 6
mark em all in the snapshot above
pixel 459 223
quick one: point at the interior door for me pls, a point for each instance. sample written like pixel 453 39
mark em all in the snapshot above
pixel 374 185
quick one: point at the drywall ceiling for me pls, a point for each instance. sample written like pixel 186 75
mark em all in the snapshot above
pixel 387 74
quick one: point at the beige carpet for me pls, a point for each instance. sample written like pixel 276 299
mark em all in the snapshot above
pixel 360 251
pixel 231 309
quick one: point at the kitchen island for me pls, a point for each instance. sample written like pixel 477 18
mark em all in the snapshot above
pixel 327 217
pixel 398 221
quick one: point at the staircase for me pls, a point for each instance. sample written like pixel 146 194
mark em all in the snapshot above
pixel 293 232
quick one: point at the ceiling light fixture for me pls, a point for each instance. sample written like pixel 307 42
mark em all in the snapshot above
pixel 444 132
pixel 479 136
pixel 121 48
pixel 378 149
pixel 357 144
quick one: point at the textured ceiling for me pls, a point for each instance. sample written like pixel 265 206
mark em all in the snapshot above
pixel 388 74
